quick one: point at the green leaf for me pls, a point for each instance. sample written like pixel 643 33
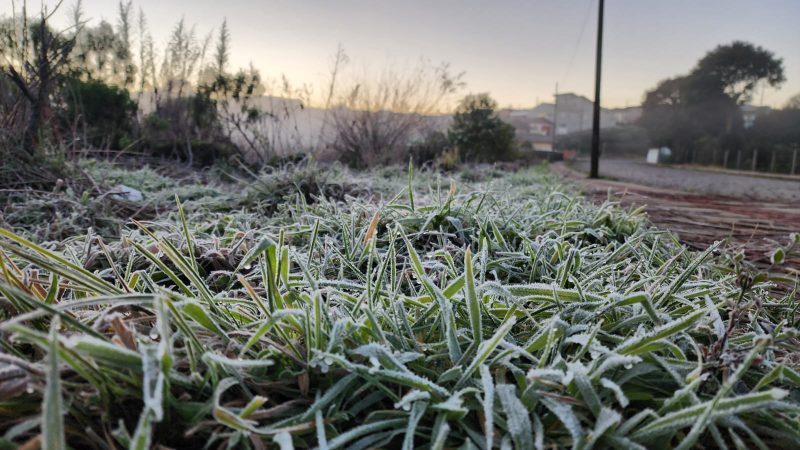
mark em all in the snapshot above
pixel 105 352
pixel 486 348
pixel 724 408
pixel 488 404
pixel 517 419
pixel 567 417
pixel 643 343
pixel 53 404
pixel 473 304
pixel 777 256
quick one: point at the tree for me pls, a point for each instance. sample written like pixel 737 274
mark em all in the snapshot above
pixel 147 63
pixel 478 133
pixel 778 127
pixel 793 103
pixel 232 97
pixel 704 105
pixel 103 53
pixel 125 70
pixel 675 118
pixel 667 93
pixel 180 60
pixel 35 61
pixel 223 48
pixel 734 70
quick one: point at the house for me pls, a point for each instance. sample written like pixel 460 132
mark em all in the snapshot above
pixel 530 131
pixel 541 125
pixel 570 113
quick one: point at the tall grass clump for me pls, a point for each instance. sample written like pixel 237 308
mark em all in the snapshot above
pixel 502 315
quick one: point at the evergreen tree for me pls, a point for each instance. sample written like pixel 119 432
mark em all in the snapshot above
pixel 478 133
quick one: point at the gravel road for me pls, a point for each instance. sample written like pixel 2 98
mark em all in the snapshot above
pixel 698 181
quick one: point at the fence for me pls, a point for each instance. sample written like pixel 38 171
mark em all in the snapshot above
pixel 781 160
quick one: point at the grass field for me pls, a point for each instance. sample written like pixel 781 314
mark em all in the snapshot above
pixel 320 308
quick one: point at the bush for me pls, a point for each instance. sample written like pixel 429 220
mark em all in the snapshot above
pixel 477 131
pixel 449 160
pixel 780 127
pixel 187 128
pixel 373 121
pixel 430 148
pixel 103 114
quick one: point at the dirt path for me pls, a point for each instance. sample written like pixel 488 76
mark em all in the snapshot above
pixel 700 218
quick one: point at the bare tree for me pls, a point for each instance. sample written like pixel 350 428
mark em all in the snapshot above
pixel 124 69
pixel 374 120
pixel 340 59
pixel 147 57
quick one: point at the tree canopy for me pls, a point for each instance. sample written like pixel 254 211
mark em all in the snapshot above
pixel 729 72
pixel 735 70
pixel 705 103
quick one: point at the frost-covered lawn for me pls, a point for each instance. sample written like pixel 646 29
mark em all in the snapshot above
pixel 327 309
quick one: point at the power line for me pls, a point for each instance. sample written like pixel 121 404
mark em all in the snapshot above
pixel 578 42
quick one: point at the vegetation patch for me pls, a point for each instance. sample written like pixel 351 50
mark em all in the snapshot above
pixel 428 314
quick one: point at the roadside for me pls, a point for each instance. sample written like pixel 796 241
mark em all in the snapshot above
pixel 700 218
pixel 715 183
pixel 743 173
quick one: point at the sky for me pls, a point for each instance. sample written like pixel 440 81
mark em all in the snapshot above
pixel 517 50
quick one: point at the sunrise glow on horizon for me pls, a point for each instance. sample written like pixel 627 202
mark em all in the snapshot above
pixel 516 50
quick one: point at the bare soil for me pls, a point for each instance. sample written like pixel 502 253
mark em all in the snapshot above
pixel 748 212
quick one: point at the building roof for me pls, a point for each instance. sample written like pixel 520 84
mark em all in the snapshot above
pixel 573 95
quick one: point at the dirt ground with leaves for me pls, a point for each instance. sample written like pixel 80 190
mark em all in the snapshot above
pixel 704 216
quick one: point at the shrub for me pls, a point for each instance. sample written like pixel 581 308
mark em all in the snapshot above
pixel 478 133
pixel 449 160
pixel 430 148
pixel 187 128
pixel 103 114
pixel 373 121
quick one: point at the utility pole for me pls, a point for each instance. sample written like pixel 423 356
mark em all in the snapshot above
pixel 555 119
pixel 593 173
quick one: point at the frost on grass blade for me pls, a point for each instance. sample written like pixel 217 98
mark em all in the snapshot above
pixel 505 314
pixel 648 341
pixel 567 417
pixel 53 403
pixel 518 420
pixel 725 407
